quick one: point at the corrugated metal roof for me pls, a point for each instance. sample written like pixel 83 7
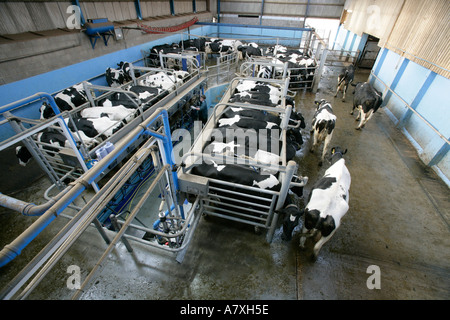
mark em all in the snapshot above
pixel 416 29
pixel 422 34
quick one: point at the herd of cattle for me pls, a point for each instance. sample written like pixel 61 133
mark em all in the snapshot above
pixel 300 64
pixel 91 125
pixel 329 196
pixel 328 201
pixel 251 133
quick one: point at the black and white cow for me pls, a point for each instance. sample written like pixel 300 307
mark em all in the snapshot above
pixel 328 202
pixel 367 100
pixel 50 141
pixel 115 77
pixel 257 98
pixel 164 80
pixel 344 80
pixel 257 86
pixel 145 93
pixel 66 100
pixel 222 46
pixel 322 129
pixel 237 174
pixel 197 43
pixel 119 99
pixel 153 59
pixel 292 215
pixel 93 127
pixel 249 50
pixel 117 113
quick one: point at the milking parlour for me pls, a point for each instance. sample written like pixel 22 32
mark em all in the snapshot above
pixel 207 153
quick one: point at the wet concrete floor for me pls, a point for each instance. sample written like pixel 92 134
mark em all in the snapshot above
pixel 398 221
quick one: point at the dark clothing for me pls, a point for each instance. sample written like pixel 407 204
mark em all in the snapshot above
pixel 203 112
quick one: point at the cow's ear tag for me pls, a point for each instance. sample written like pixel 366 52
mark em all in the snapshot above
pixel 333 150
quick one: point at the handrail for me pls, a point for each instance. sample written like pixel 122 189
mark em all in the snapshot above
pixel 413 110
pixel 12 250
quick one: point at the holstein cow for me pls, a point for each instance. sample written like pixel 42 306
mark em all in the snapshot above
pixel 237 174
pixel 323 124
pixel 66 100
pixel 257 86
pixel 49 138
pixel 164 80
pixel 248 51
pixel 93 127
pixel 117 77
pixel 197 43
pixel 118 113
pixel 258 98
pixel 114 77
pixel 221 46
pixel 367 100
pixel 240 118
pixel 328 202
pixel 344 80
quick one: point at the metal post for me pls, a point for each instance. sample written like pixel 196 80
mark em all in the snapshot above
pixel 290 170
pixel 318 75
pixel 116 227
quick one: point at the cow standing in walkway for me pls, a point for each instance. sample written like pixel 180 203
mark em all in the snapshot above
pixel 328 202
pixel 367 100
pixel 323 124
pixel 344 80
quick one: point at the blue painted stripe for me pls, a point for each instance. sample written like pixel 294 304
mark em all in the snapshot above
pixel 418 98
pixel 77 3
pixel 337 34
pixel 250 26
pixel 380 62
pixel 440 154
pixel 396 80
pixel 362 44
pixel 352 43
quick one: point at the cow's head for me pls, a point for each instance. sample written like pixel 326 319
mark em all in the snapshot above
pixel 292 216
pixel 46 111
pixel 23 155
pixel 336 154
pixel 321 103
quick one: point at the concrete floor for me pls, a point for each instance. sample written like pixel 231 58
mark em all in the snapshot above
pixel 398 220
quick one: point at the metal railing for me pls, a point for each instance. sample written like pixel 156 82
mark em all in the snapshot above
pixel 224 70
pixel 58 246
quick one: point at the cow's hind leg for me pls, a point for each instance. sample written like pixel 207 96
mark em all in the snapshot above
pixel 338 88
pixel 325 147
pixel 314 144
pixel 344 90
pixel 361 117
pixel 368 116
